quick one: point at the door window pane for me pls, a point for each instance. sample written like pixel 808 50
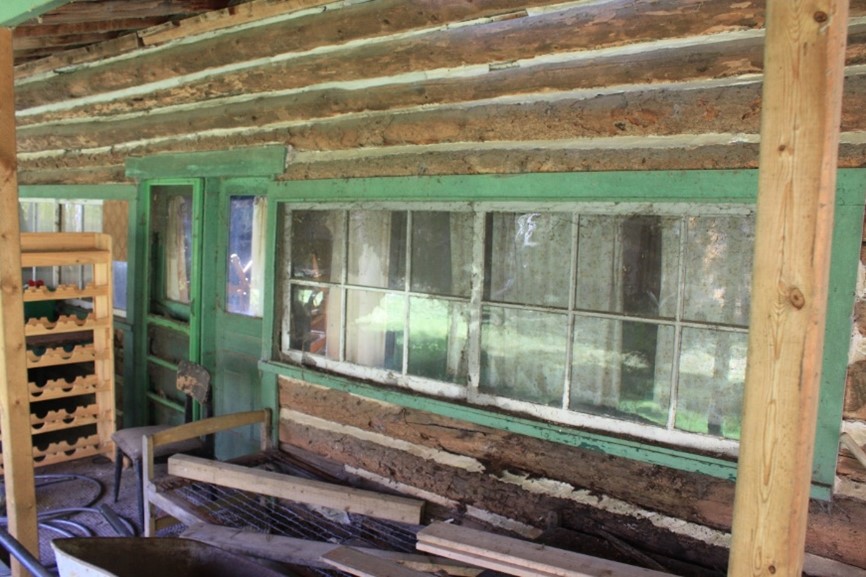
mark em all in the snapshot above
pixel 246 255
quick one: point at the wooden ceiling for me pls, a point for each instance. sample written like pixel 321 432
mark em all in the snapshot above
pixel 81 23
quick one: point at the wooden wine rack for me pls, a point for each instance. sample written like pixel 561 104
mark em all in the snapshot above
pixel 72 414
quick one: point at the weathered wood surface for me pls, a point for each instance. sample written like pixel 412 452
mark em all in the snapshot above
pixel 706 501
pixel 20 491
pixel 518 557
pixel 803 81
pixel 355 562
pixel 292 488
pixel 383 96
pixel 309 553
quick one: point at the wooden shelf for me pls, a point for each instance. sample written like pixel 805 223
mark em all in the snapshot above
pixel 70 360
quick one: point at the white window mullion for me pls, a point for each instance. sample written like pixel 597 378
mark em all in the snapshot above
pixel 572 298
pixel 286 284
pixel 475 303
pixel 406 292
pixel 344 293
pixel 678 326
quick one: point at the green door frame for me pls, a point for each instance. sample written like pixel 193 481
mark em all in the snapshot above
pixel 143 295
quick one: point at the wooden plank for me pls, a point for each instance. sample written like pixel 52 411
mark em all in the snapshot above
pixel 14 396
pixel 802 95
pixel 393 508
pixel 517 557
pixel 309 553
pixel 355 562
pixel 208 427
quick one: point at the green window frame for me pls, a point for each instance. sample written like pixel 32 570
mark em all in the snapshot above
pixel 697 190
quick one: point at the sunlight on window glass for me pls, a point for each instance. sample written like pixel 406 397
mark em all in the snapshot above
pixel 246 255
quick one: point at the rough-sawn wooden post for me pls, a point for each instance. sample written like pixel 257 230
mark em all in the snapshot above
pixel 804 64
pixel 14 395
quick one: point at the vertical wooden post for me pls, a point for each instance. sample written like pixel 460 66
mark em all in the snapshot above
pixel 14 396
pixel 803 74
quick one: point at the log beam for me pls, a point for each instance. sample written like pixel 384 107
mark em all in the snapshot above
pixel 14 396
pixel 802 95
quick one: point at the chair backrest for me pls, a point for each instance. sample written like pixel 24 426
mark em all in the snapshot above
pixel 193 380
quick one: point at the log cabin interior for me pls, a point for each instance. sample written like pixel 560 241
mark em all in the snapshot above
pixel 588 271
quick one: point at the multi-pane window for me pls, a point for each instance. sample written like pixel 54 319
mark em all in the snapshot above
pixel 589 315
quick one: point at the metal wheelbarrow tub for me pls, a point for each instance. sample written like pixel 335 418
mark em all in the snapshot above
pixel 150 557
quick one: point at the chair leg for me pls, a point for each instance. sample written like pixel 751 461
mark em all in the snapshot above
pixel 118 471
pixel 136 463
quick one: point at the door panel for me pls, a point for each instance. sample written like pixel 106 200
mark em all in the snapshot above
pixel 172 319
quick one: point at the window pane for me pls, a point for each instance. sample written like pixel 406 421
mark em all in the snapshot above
pixel 438 339
pixel 528 258
pixel 246 255
pixel 628 264
pixel 374 329
pixel 377 248
pixel 318 244
pixel 719 269
pixel 523 354
pixel 315 321
pixel 441 253
pixel 712 374
pixel 622 369
pixel 175 223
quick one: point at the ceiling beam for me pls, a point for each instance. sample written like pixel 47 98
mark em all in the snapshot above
pixel 14 12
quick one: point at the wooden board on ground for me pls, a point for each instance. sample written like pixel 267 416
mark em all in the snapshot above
pixel 310 553
pixel 282 486
pixel 358 563
pixel 518 557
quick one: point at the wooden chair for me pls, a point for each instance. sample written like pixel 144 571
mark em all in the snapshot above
pixel 194 381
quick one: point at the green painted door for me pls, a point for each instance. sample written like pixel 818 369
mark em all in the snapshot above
pixel 233 278
pixel 173 221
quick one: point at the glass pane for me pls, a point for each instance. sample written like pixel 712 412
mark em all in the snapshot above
pixel 315 321
pixel 528 258
pixel 628 264
pixel 318 244
pixel 246 255
pixel 712 374
pixel 176 227
pixel 119 274
pixel 438 339
pixel 719 269
pixel 441 253
pixel 622 369
pixel 377 248
pixel 374 329
pixel 170 249
pixel 523 354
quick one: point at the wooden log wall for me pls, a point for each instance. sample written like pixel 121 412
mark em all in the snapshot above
pixel 362 88
pixel 396 87
pixel 681 520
